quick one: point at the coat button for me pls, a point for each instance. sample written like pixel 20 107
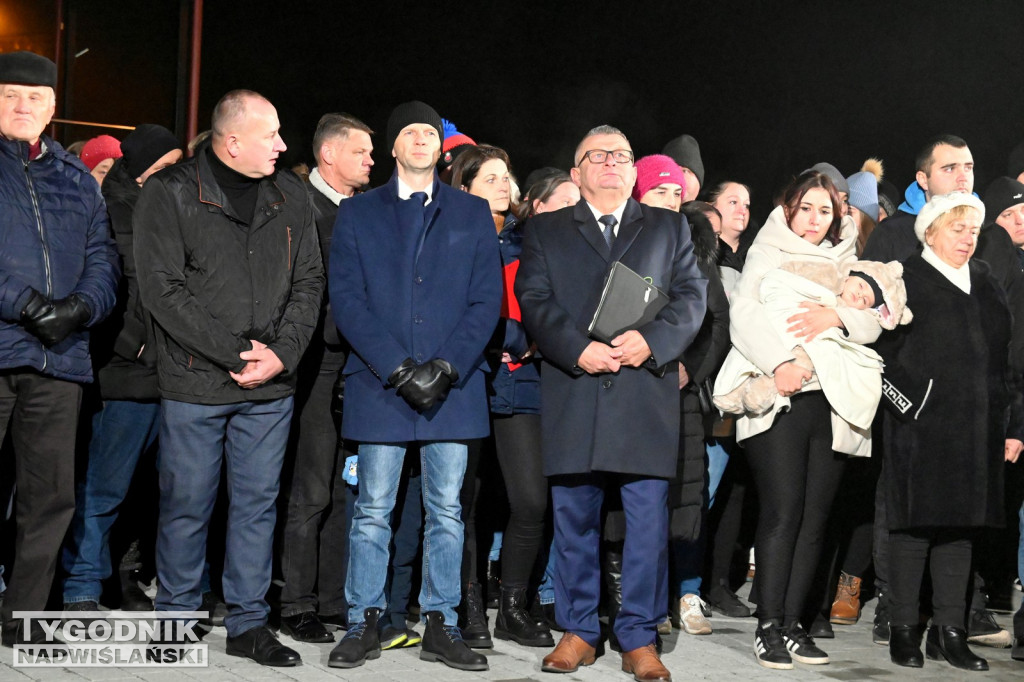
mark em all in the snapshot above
pixel 418 280
pixel 419 357
pixel 607 383
pixel 418 319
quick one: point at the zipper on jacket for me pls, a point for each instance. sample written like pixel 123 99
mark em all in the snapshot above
pixel 289 228
pixel 42 231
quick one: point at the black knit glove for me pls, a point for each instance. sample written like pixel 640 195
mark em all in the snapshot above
pixel 423 385
pixel 53 324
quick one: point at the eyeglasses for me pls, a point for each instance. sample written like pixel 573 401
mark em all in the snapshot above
pixel 600 155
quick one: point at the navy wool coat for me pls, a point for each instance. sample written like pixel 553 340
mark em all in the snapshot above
pixel 401 290
pixel 628 421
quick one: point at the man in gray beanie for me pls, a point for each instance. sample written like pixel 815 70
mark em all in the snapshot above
pixel 415 285
pixel 60 274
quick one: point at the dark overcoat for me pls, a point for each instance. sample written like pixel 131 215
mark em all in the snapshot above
pixel 627 421
pixel 951 402
pixel 407 286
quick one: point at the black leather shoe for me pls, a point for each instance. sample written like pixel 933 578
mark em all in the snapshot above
pixel 13 632
pixel 261 645
pixel 821 628
pixel 725 601
pixel 359 644
pixel 215 607
pixel 305 627
pixel 514 623
pixel 950 643
pixel 905 646
pixel 444 643
pixel 336 620
pixel 473 619
pixel 1017 653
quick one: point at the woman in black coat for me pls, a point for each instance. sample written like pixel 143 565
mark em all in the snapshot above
pixel 954 414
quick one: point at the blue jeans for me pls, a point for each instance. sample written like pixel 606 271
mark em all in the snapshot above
pixel 121 431
pixel 442 466
pixel 195 442
pixel 546 590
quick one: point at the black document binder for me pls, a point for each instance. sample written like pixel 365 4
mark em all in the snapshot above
pixel 628 302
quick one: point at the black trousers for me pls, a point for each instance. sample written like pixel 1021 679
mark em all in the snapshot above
pixel 797 474
pixel 314 553
pixel 42 415
pixel 950 565
pixel 517 444
pixel 725 518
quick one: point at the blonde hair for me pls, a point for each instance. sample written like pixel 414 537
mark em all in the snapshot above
pixel 962 212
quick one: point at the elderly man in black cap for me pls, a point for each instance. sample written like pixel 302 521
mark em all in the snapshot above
pixel 58 276
pixel 415 284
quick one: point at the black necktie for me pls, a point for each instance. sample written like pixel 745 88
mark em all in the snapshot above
pixel 608 230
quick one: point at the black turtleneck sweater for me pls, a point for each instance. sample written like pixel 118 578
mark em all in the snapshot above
pixel 240 190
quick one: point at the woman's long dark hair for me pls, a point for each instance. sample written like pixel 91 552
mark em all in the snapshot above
pixel 794 194
pixel 467 166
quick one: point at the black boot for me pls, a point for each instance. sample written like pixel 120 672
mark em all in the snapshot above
pixel 513 622
pixel 132 596
pixel 950 643
pixel 880 628
pixel 473 619
pixel 444 643
pixel 359 644
pixel 493 583
pixel 905 646
pixel 612 571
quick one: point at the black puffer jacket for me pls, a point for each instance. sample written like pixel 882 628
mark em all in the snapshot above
pixel 702 359
pixel 54 238
pixel 213 283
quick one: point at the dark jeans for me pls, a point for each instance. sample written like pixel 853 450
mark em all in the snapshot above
pixel 121 431
pixel 797 475
pixel 196 441
pixel 42 415
pixel 315 539
pixel 950 565
pixel 517 442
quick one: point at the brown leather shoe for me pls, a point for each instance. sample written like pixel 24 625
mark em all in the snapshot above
pixel 569 655
pixel 645 665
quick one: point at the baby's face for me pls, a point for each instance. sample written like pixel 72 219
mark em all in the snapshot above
pixel 857 293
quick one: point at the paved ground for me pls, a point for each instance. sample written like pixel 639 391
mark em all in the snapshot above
pixel 724 655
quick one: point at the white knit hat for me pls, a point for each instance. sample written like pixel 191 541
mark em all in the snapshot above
pixel 943 203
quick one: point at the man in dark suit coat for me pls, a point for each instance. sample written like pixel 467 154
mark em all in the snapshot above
pixel 610 413
pixel 415 284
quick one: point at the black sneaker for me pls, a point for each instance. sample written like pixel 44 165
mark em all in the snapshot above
pixel 801 646
pixel 769 647
pixel 398 638
pixel 360 643
pixel 982 629
pixel 215 607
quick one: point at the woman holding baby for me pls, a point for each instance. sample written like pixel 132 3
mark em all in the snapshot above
pixel 797 449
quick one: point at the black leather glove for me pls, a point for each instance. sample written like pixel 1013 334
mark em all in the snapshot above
pixel 426 384
pixel 63 317
pixel 36 306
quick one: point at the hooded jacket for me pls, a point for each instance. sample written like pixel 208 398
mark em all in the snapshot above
pixel 54 238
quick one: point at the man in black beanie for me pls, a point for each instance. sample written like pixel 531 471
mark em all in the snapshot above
pixel 685 151
pixel 60 275
pixel 415 286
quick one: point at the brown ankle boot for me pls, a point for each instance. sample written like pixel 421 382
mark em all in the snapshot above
pixel 846 607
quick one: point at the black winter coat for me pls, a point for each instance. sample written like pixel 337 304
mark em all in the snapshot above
pixel 950 400
pixel 213 282
pixel 124 358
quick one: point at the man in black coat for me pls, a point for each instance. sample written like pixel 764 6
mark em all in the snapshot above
pixel 610 412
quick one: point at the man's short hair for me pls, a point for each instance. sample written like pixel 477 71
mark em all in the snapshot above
pixel 599 130
pixel 924 159
pixel 335 125
pixel 230 110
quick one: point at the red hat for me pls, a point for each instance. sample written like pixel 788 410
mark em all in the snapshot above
pixel 99 148
pixel 654 170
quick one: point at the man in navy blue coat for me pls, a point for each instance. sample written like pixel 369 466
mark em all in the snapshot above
pixel 415 284
pixel 610 413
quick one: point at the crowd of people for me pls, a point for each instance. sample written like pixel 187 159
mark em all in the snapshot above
pixel 407 386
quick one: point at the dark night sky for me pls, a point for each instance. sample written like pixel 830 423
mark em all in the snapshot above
pixel 767 88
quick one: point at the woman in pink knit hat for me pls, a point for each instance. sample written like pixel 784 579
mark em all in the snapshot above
pixel 99 155
pixel 659 182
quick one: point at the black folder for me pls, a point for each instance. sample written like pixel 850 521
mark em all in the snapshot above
pixel 628 302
